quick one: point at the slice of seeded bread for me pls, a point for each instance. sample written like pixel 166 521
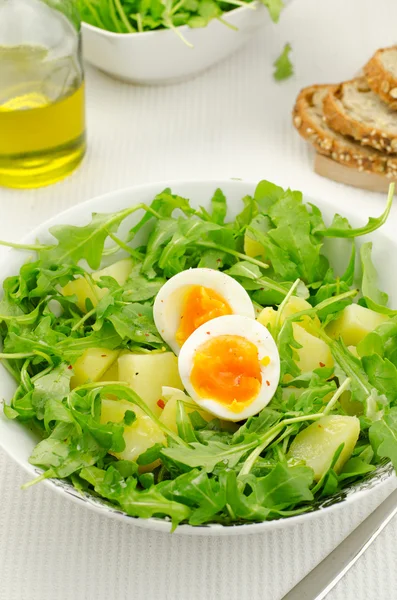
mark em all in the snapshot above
pixel 353 109
pixel 381 74
pixel 309 120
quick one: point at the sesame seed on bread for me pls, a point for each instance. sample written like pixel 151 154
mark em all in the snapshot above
pixel 381 74
pixel 309 120
pixel 353 109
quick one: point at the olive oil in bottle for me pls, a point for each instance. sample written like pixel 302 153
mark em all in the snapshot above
pixel 42 125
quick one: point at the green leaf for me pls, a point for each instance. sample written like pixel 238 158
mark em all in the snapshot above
pixel 205 496
pixel 150 455
pixel 274 7
pixel 283 66
pixel 76 243
pixel 355 467
pixel 183 423
pixel 219 207
pixel 139 288
pixel 369 284
pixel 383 436
pixel 339 229
pixel 382 374
pixel 284 486
pixel 55 385
pixel 135 322
pixel 292 233
pixel 208 456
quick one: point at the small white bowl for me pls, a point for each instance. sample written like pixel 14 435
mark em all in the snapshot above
pixel 18 441
pixel 158 57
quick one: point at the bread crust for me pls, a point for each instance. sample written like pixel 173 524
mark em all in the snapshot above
pixel 380 80
pixel 335 145
pixel 339 120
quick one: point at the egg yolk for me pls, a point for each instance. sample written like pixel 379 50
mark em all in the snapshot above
pixel 227 369
pixel 200 305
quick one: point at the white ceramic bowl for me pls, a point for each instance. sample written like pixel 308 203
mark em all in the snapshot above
pixel 157 57
pixel 18 441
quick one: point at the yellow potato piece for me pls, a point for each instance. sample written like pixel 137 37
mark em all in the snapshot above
pixel 119 270
pixel 294 305
pixel 83 290
pixel 92 365
pixel 168 415
pixel 267 316
pixel 113 411
pixel 317 444
pixel 112 374
pixel 138 437
pixel 354 324
pixel 252 247
pixel 146 374
pixel 315 353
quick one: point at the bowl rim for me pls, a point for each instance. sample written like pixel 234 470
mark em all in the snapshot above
pixel 154 523
pixel 183 28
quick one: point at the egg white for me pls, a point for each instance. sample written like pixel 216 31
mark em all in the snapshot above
pixel 254 332
pixel 169 300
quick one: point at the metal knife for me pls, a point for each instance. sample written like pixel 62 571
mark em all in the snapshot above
pixel 320 581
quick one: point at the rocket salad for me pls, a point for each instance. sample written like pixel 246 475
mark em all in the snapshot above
pixel 120 416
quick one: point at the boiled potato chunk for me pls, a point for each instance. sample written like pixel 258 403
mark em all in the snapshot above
pixel 112 374
pixel 113 411
pixel 83 290
pixel 252 247
pixel 168 415
pixel 294 305
pixel 138 437
pixel 354 324
pixel 317 444
pixel 146 374
pixel 315 353
pixel 92 365
pixel 119 270
pixel 267 317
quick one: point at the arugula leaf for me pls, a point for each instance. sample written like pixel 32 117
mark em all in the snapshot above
pixel 382 374
pixel 219 208
pixel 274 7
pixel 55 385
pixel 208 456
pixel 183 423
pixel 283 66
pixel 355 467
pixel 284 486
pixel 369 285
pixel 339 229
pixel 76 243
pixel 286 344
pixel 150 455
pixel 205 496
pixel 383 436
pixel 135 322
pixel 292 232
pixel 137 503
pixel 139 288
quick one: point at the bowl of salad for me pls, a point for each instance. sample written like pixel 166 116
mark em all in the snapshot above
pixel 156 42
pixel 209 357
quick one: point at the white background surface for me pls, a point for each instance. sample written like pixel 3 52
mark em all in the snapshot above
pixel 232 121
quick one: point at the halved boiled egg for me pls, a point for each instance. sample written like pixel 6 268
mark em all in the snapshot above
pixel 230 366
pixel 194 297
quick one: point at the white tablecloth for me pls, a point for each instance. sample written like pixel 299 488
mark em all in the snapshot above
pixel 232 121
